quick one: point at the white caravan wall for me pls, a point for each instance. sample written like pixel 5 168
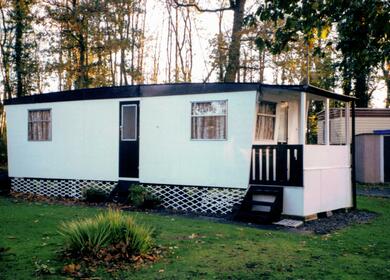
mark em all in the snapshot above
pixel 84 141
pixel 168 155
pixel 327 178
pixel 85 136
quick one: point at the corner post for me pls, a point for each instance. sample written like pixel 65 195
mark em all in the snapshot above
pixel 353 163
pixel 302 121
pixel 327 125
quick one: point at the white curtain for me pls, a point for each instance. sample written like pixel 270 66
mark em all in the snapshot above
pixel 265 123
pixel 209 120
pixel 209 127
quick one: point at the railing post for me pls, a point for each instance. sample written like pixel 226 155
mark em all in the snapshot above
pixel 281 164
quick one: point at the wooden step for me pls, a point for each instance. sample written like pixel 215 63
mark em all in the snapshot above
pixel 262 203
pixel 264 209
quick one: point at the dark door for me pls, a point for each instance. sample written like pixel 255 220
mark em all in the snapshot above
pixel 386 158
pixel 129 139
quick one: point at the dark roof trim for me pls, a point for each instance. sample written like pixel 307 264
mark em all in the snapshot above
pixel 162 90
pixel 326 93
pixel 382 132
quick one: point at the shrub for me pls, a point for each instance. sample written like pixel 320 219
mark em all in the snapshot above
pixel 142 198
pixel 5 184
pixel 94 195
pixel 106 231
pixel 3 153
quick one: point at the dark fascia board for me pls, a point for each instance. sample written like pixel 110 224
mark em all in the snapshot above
pixel 326 93
pixel 162 90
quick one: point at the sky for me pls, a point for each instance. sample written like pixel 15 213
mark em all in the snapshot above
pixel 206 26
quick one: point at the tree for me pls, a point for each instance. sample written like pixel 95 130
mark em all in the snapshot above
pixel 386 76
pixel 6 40
pixel 99 43
pixel 24 45
pixel 362 29
pixel 179 43
pixel 233 57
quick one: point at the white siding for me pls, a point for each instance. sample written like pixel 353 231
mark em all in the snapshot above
pixel 85 142
pixel 368 125
pixel 168 155
pixel 327 178
pixel 363 125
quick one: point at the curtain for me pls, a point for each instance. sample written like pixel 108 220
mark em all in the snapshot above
pixel 39 125
pixel 265 127
pixel 208 120
pixel 265 122
pixel 210 127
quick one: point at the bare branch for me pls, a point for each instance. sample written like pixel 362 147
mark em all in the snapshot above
pixel 196 6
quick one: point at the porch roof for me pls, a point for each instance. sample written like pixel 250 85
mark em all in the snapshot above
pixel 166 90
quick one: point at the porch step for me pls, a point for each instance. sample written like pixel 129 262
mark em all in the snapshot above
pixel 261 205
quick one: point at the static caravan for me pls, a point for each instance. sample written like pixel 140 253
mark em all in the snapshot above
pixel 367 120
pixel 209 148
pixel 373 157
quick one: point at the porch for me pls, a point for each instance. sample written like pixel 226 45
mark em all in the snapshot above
pixel 296 170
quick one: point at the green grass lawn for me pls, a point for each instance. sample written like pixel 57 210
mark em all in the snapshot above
pixel 218 251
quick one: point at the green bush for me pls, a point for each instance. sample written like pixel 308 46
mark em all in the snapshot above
pixel 3 153
pixel 90 236
pixel 94 195
pixel 142 198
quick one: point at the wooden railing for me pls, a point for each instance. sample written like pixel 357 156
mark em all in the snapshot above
pixel 277 165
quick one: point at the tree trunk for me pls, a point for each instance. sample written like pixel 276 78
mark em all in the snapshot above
pixel 386 76
pixel 388 91
pixel 361 88
pixel 6 57
pixel 18 48
pixel 81 75
pixel 234 48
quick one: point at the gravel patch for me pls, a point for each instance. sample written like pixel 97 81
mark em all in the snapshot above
pixel 377 191
pixel 338 221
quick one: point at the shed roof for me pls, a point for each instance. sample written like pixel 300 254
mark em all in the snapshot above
pixel 165 90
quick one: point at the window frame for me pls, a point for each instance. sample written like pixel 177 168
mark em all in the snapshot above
pixel 135 125
pixel 276 124
pixel 49 121
pixel 215 115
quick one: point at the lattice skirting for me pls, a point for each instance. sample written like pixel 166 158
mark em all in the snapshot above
pixel 59 187
pixel 198 199
pixel 210 200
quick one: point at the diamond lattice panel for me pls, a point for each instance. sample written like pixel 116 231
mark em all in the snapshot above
pixel 198 199
pixel 61 188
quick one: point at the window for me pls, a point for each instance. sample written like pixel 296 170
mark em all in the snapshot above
pixel 39 125
pixel 129 123
pixel 265 121
pixel 208 120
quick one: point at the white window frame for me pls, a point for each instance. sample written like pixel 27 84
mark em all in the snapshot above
pixel 136 122
pixel 49 121
pixel 215 115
